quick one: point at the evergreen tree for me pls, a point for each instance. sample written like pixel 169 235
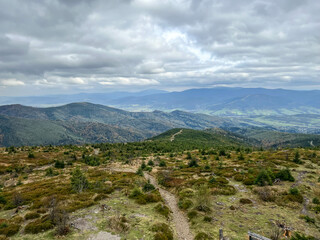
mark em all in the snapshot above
pixel 79 181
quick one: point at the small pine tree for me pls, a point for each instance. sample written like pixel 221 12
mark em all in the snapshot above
pixel 297 158
pixel 79 181
pixel 263 179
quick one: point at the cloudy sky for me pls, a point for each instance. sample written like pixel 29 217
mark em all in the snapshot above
pixel 69 46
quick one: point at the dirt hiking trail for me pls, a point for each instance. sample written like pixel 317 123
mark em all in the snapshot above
pixel 174 135
pixel 179 219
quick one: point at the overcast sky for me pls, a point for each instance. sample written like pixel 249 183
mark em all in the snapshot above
pixel 52 46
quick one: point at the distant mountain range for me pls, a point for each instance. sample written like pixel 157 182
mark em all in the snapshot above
pixel 213 101
pixel 87 123
pixel 79 123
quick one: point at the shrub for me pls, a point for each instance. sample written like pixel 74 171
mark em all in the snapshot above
pixel 245 201
pixel 296 158
pixel 162 209
pixel 50 172
pixel 136 192
pixel 162 163
pixel 266 194
pixel 249 180
pixel 150 163
pixel 31 155
pixel 2 200
pixel 186 192
pixel 285 175
pixel 207 219
pixel 38 226
pixel 143 165
pixel 78 181
pixel 92 160
pixel 193 163
pixel 202 236
pixel 61 222
pixel 185 204
pixel 263 178
pixel 59 164
pixel 315 201
pixel 163 232
pixel 238 177
pixel 9 230
pixel 222 180
pixel 118 223
pixel 309 219
pixel 31 215
pixel 294 196
pixel 192 214
pixel 148 187
pixel 139 172
pixel 294 191
pixel 317 209
pixel 203 202
pixel 241 157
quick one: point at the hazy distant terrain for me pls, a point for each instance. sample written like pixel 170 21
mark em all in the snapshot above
pixel 285 110
pixel 79 123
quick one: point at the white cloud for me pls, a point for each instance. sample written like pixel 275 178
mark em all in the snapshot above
pixel 12 82
pixel 166 44
pixel 129 81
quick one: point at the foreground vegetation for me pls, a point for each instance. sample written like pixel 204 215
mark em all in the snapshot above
pixel 89 191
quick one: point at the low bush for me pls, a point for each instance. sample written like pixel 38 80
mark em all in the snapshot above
pixel 162 209
pixel 185 204
pixel 59 164
pixel 50 172
pixel 193 163
pixel 163 232
pixel 238 177
pixel 285 175
pixel 3 200
pixel 162 163
pixel 245 201
pixel 249 180
pixel 202 236
pixel 92 160
pixel 192 214
pixel 266 194
pixel 148 187
pixel 38 226
pixel 9 229
pixel 309 219
pixel 31 215
pixel 264 178
pixel 118 223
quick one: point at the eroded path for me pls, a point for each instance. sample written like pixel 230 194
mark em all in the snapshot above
pixel 178 218
pixel 174 135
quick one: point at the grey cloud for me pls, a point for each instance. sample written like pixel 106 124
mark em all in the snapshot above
pixel 58 44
